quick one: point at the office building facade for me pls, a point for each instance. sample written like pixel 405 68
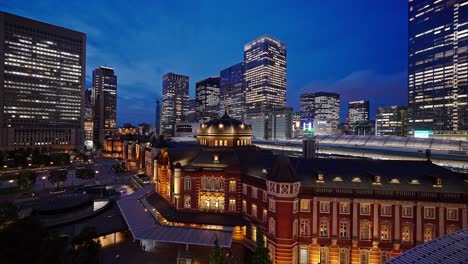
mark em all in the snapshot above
pixel 438 66
pixel 105 103
pixel 358 113
pixel 391 121
pixel 265 73
pixel 88 119
pixel 232 94
pixel 321 106
pixel 207 98
pixel 175 101
pixel 42 76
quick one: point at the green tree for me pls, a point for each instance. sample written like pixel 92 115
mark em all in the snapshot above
pixel 119 168
pixel 261 254
pixel 26 179
pixel 8 214
pixel 84 248
pixel 217 255
pixel 56 177
pixel 85 173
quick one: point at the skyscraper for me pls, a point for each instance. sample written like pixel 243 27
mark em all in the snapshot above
pixel 105 103
pixel 175 101
pixel 358 113
pixel 322 106
pixel 265 73
pixel 207 98
pixel 232 94
pixel 88 119
pixel 438 66
pixel 391 121
pixel 42 72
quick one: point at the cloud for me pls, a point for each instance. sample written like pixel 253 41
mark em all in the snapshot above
pixel 379 89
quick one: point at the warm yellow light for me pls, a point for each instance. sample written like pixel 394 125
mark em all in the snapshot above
pixel 44 177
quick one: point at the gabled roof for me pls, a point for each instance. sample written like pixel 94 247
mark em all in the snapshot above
pixel 282 171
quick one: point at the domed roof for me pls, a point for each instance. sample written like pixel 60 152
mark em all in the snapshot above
pixel 224 125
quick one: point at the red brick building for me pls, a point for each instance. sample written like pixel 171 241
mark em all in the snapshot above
pixel 309 210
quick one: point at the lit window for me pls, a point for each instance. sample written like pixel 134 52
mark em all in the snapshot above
pixel 344 227
pixel 188 184
pixel 232 186
pixel 451 229
pixel 244 206
pixel 394 180
pixel 305 205
pixel 365 231
pixel 414 181
pixel 337 179
pixel 304 227
pixel 365 209
pixel 187 201
pixel 324 207
pixel 323 228
pixel 320 178
pixel 253 210
pixel 385 232
pixel 429 212
pixel 406 233
pixel 265 213
pixel 356 179
pixel 232 204
pixel 428 233
pixel 407 211
pixel 254 233
pixel 452 214
pixel 344 256
pixel 344 208
pixel 386 210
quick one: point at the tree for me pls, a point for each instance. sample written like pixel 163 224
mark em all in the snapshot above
pixel 84 248
pixel 26 179
pixel 261 254
pixel 119 168
pixel 217 254
pixel 57 176
pixel 8 214
pixel 85 173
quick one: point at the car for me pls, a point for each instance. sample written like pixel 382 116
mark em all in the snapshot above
pixel 122 190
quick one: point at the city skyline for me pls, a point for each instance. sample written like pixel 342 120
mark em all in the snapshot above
pixel 316 62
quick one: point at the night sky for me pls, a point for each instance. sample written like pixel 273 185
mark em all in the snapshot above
pixel 357 48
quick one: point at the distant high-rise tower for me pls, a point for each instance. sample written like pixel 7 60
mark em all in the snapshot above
pixel 207 98
pixel 42 76
pixel 322 106
pixel 175 101
pixel 88 118
pixel 105 103
pixel 265 73
pixel 232 95
pixel 391 121
pixel 438 66
pixel 358 113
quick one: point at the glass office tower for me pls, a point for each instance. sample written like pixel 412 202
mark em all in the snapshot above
pixel 323 106
pixel 42 76
pixel 358 113
pixel 391 121
pixel 265 73
pixel 175 104
pixel 207 98
pixel 438 66
pixel 232 94
pixel 105 103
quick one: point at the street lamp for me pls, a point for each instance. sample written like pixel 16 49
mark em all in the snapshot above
pixel 29 164
pixel 5 166
pixel 51 163
pixel 43 182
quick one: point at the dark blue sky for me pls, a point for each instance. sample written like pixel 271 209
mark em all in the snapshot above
pixel 357 48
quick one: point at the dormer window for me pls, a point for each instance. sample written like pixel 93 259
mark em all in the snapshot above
pixel 438 182
pixel 242 126
pixel 221 125
pixel 320 178
pixel 215 158
pixel 356 179
pixel 377 180
pixel 394 180
pixel 264 171
pixel 337 179
pixel 414 181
